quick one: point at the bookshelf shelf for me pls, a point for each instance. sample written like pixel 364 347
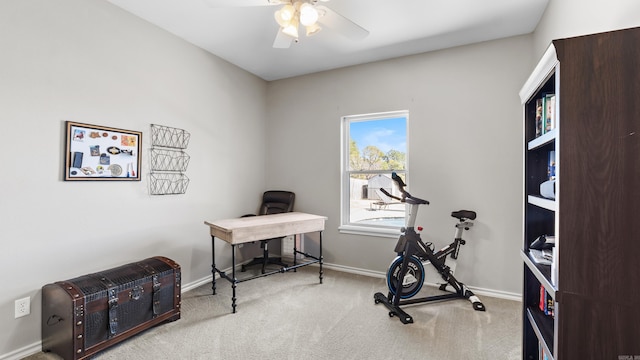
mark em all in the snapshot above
pixel 543 140
pixel 542 325
pixel 541 272
pixel 542 202
pixel 588 152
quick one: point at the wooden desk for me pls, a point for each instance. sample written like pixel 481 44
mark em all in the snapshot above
pixel 238 231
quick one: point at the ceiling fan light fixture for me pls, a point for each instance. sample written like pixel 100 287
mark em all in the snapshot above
pixel 292 28
pixel 285 15
pixel 313 29
pixel 308 14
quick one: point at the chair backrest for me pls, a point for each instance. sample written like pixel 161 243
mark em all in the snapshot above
pixel 276 201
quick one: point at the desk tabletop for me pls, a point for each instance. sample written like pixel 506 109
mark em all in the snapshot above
pixel 252 228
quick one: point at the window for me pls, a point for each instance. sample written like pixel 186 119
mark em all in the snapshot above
pixel 373 146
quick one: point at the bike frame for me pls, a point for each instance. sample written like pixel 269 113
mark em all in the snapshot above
pixel 410 245
pixel 411 235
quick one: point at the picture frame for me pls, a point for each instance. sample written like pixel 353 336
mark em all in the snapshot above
pixel 101 153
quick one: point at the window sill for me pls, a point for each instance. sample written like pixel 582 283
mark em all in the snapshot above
pixel 369 231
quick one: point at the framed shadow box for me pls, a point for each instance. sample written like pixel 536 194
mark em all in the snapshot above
pixel 95 152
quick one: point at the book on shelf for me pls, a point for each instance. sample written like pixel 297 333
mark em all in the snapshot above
pixel 549 112
pixel 542 353
pixel 549 307
pixel 539 122
pixel 551 165
pixel 545 120
pixel 546 303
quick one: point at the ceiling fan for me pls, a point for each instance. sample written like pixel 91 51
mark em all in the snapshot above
pixel 296 14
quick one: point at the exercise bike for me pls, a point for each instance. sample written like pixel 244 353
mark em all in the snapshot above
pixel 406 274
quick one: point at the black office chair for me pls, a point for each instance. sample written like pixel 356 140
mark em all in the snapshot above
pixel 273 202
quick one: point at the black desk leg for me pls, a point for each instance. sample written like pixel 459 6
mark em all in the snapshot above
pixel 320 258
pixel 295 251
pixel 233 275
pixel 213 264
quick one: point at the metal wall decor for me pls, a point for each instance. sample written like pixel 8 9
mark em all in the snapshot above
pixel 95 152
pixel 168 160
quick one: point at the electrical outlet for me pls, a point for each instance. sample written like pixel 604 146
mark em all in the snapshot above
pixel 23 307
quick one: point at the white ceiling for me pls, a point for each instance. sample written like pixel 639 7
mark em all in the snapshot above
pixel 244 35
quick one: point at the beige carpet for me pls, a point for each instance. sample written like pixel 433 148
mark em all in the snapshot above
pixel 292 316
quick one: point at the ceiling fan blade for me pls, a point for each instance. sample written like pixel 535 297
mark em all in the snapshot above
pixel 242 3
pixel 282 41
pixel 341 24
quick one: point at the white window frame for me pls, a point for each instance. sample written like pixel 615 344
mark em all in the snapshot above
pixel 345 206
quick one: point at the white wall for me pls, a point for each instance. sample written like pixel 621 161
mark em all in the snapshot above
pixel 464 150
pixel 567 18
pixel 88 61
pixel 465 138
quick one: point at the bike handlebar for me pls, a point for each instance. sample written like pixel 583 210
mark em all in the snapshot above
pixel 389 195
pixel 406 197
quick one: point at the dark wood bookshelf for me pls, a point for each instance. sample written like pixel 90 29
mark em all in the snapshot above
pixel 595 276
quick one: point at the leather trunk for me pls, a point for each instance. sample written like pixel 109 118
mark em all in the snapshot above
pixel 90 313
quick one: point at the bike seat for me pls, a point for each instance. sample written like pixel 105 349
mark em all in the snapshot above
pixel 463 215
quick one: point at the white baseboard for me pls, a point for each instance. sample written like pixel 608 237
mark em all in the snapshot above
pixel 497 294
pixel 378 274
pixel 194 284
pixel 207 279
pixel 23 352
pixel 37 347
pixel 357 271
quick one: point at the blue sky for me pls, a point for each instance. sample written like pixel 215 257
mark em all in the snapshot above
pixel 386 134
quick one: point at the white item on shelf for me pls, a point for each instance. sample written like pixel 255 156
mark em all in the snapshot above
pixel 539 257
pixel 548 189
